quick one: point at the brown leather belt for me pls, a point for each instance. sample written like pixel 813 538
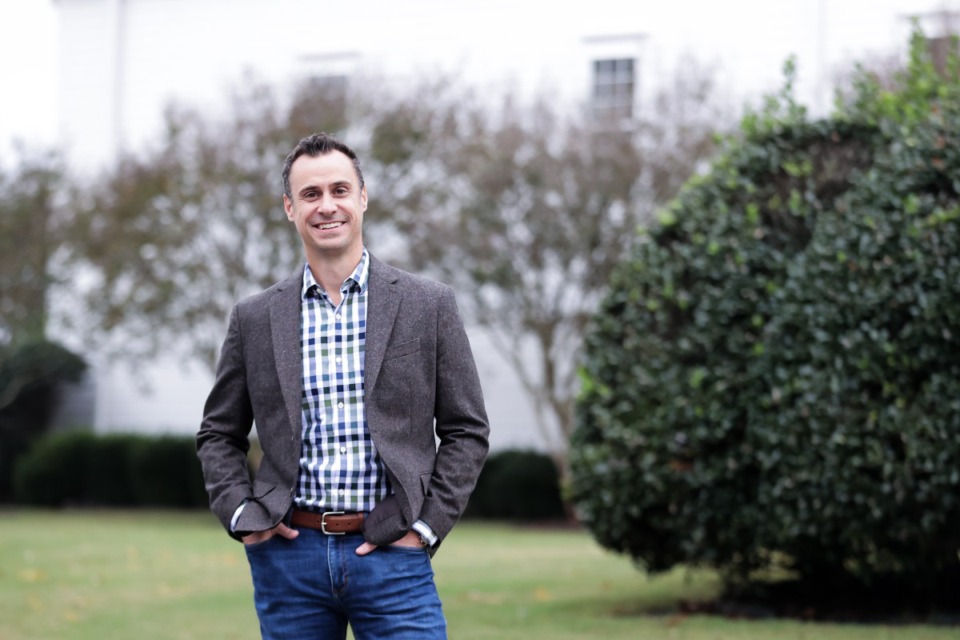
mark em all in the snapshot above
pixel 333 523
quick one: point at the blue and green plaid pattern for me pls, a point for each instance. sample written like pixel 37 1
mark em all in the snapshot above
pixel 340 469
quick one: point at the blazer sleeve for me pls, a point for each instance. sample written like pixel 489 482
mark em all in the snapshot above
pixel 461 422
pixel 223 438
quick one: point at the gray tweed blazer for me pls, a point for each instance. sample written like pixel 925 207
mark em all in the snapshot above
pixel 420 380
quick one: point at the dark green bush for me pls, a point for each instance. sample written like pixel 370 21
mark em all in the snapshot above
pixel 165 472
pixel 31 376
pixel 54 471
pixel 517 485
pixel 109 480
pixel 81 468
pixel 774 377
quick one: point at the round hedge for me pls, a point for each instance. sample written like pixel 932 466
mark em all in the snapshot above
pixel 774 377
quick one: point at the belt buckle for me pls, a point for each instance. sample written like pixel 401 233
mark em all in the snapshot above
pixel 323 523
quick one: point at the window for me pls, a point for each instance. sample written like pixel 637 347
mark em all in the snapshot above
pixel 940 50
pixel 320 104
pixel 941 27
pixel 613 64
pixel 613 87
pixel 321 95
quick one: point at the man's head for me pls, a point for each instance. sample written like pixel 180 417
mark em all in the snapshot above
pixel 315 145
pixel 325 200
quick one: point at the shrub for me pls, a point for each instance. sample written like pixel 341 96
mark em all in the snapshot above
pixel 165 472
pixel 109 479
pixel 31 376
pixel 775 375
pixel 80 468
pixel 517 485
pixel 53 472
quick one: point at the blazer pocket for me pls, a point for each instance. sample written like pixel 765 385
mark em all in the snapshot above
pixel 261 489
pixel 402 349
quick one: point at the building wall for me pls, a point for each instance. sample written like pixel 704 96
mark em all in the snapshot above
pixel 121 61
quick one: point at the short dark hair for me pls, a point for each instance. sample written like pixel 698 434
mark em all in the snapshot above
pixel 318 144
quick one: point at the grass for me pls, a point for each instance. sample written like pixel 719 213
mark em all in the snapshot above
pixel 156 575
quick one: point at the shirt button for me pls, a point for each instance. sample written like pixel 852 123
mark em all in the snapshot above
pixel 340 405
pixel 342 492
pixel 343 449
pixel 338 316
pixel 339 360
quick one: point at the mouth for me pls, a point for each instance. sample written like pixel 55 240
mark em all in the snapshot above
pixel 323 226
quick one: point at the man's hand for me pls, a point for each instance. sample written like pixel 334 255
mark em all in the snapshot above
pixel 262 536
pixel 411 539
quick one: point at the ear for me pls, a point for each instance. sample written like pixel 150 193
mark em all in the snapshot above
pixel 363 198
pixel 288 207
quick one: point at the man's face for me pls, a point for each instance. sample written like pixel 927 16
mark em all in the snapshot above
pixel 327 206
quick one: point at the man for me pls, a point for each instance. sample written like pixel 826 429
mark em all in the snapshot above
pixel 368 408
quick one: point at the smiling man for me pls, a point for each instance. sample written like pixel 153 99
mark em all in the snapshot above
pixel 368 407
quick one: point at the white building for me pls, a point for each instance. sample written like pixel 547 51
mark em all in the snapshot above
pixel 122 61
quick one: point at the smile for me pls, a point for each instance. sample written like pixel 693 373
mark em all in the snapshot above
pixel 329 225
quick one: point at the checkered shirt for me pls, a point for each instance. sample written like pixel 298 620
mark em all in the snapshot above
pixel 340 469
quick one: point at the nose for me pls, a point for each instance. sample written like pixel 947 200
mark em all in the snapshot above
pixel 326 204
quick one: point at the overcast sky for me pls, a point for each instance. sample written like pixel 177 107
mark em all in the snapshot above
pixel 28 68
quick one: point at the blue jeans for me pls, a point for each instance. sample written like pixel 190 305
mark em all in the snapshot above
pixel 311 587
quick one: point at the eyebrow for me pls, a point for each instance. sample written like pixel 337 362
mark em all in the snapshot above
pixel 333 185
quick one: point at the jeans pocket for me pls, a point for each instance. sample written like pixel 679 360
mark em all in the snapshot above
pixel 257 545
pixel 404 548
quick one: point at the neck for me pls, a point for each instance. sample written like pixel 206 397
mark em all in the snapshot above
pixel 331 271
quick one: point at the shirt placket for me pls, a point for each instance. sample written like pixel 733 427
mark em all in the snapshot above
pixel 338 389
pixel 340 475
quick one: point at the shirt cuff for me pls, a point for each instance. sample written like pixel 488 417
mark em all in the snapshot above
pixel 426 532
pixel 236 516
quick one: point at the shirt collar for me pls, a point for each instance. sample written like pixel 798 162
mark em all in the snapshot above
pixel 358 278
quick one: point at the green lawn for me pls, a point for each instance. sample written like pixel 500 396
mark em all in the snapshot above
pixel 154 575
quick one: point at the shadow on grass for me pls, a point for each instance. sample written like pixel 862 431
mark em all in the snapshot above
pixel 888 601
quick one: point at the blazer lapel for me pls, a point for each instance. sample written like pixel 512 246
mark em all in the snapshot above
pixel 383 301
pixel 285 330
